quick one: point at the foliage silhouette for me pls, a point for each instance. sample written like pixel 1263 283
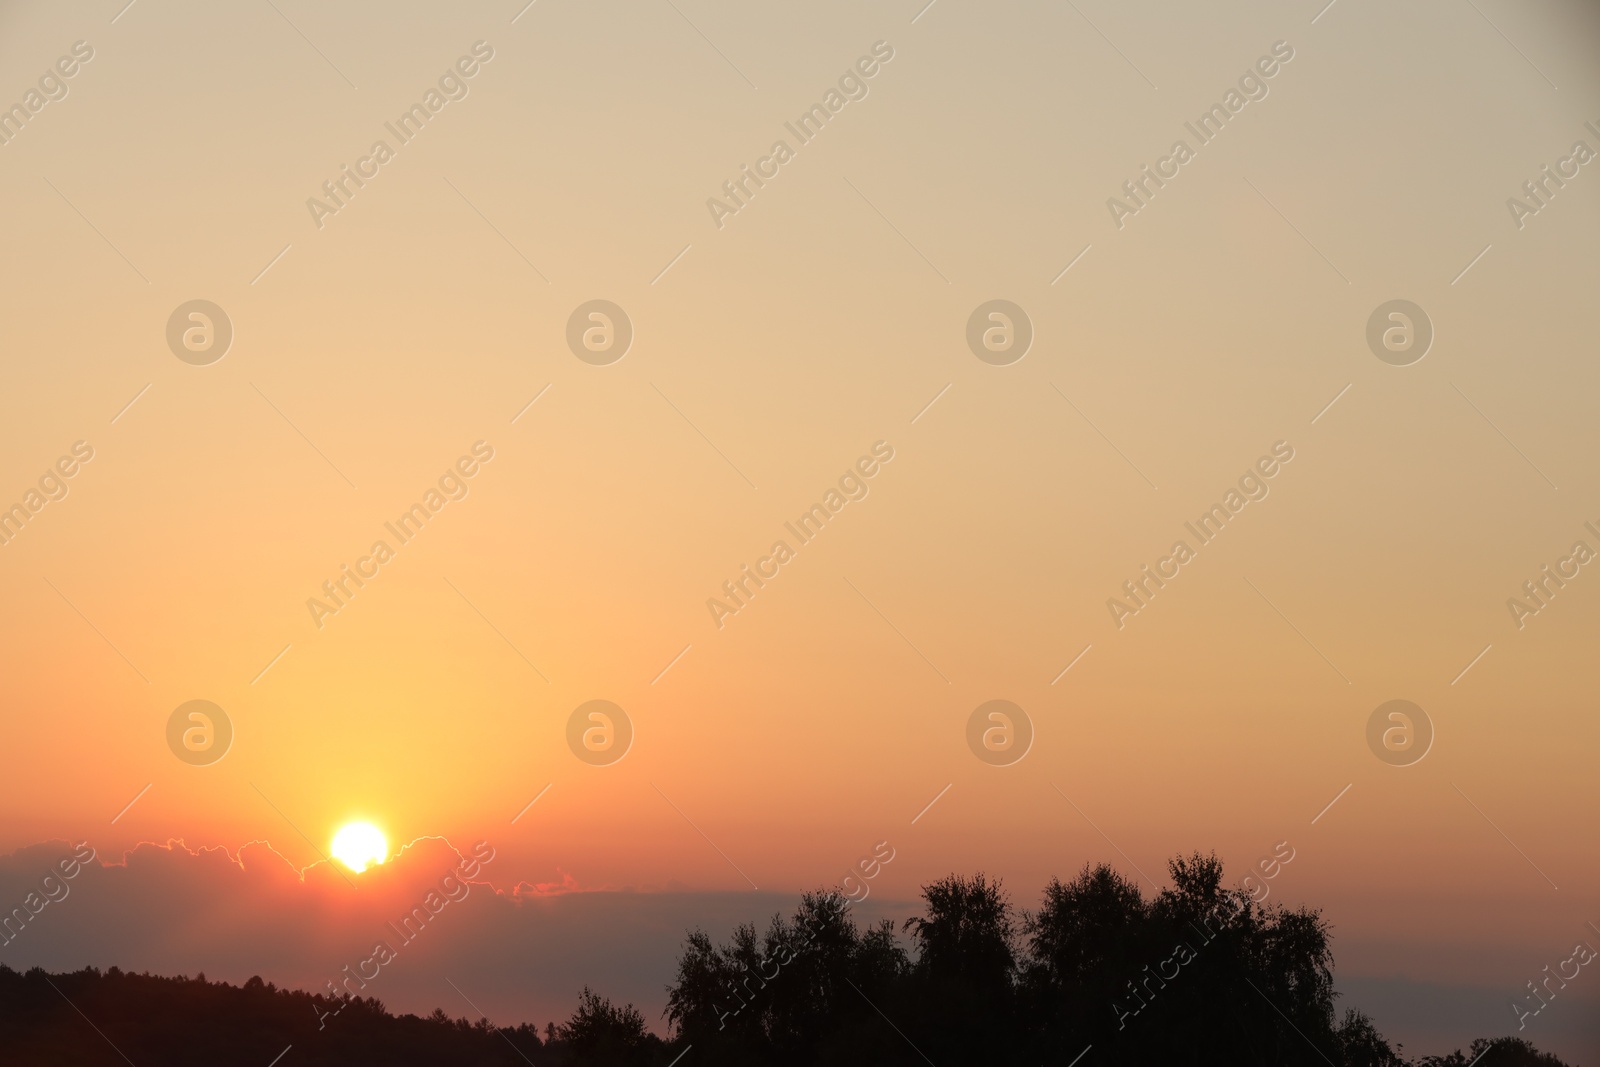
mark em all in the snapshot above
pixel 1197 975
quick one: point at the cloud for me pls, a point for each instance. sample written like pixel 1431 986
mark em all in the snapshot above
pixel 520 953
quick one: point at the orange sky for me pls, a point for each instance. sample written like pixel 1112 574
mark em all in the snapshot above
pixel 423 317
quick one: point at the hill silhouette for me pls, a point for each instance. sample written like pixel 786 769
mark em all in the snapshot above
pixel 1200 974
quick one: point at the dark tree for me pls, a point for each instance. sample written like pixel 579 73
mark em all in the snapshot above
pixel 1501 1052
pixel 964 979
pixel 803 993
pixel 1087 935
pixel 1197 975
pixel 602 1035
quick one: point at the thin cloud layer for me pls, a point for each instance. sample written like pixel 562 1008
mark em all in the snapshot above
pixel 520 953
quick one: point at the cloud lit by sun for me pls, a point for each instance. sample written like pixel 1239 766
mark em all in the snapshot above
pixel 359 844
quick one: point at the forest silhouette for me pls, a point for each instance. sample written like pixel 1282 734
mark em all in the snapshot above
pixel 1201 974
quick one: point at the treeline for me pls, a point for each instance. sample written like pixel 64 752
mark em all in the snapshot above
pixel 1199 975
pixel 1098 976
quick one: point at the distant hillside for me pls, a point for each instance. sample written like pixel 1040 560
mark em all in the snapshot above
pixel 93 1019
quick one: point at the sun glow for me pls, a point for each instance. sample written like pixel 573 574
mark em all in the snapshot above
pixel 359 844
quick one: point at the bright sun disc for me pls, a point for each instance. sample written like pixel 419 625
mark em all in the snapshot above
pixel 359 843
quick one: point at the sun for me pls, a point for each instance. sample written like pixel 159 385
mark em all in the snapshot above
pixel 358 844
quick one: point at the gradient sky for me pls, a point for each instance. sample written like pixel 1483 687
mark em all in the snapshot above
pixel 767 357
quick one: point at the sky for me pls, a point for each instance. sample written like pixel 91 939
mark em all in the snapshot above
pixel 590 484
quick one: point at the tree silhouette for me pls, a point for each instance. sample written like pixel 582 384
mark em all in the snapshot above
pixel 602 1035
pixel 801 994
pixel 1198 975
pixel 964 979
pixel 1506 1052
